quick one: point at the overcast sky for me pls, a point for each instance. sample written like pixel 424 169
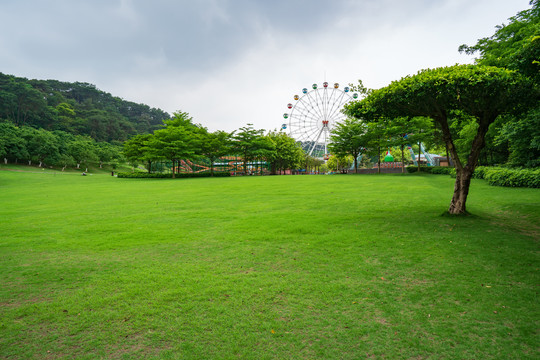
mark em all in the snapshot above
pixel 232 62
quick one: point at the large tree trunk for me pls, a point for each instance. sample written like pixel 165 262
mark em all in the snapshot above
pixel 464 173
pixel 402 159
pixel 461 191
pixel 379 159
pixel 419 151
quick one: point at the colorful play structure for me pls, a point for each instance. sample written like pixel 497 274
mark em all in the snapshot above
pixel 428 158
pixel 232 164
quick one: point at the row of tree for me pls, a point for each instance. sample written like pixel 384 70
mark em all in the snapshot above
pixel 181 139
pixel 353 137
pixel 77 108
pixel 465 103
pixel 58 148
pixel 511 139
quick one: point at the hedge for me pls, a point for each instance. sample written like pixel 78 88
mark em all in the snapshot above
pixel 512 177
pixel 144 175
pixel 440 170
pixel 493 175
pixel 413 169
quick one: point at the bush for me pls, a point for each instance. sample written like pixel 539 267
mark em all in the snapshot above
pixel 512 177
pixel 144 175
pixel 443 170
pixel 440 170
pixel 413 169
pixel 480 171
pixel 494 176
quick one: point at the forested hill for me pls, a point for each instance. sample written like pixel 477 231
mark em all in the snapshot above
pixel 77 108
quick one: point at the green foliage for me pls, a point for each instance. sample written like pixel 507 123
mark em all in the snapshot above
pixel 438 170
pixel 479 172
pixel 512 177
pixel 339 162
pixel 481 92
pixel 251 144
pixel 493 175
pixel 443 170
pixel 350 137
pixel 414 169
pixel 52 147
pixel 215 144
pixel 515 45
pixel 77 108
pixel 145 175
pixel 522 134
pixel 287 154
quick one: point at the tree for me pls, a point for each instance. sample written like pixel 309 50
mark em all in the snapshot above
pixel 313 162
pixel 78 108
pixel 376 140
pixel 42 145
pixel 523 137
pixel 215 145
pixel 396 131
pixel 135 150
pixel 339 162
pixel 265 150
pixel 420 130
pixel 515 46
pixel 174 143
pixel 12 144
pixel 480 91
pixel 82 149
pixel 246 143
pixel 288 152
pixel 106 152
pixel 349 137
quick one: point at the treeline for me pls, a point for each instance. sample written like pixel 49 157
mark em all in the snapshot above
pixel 76 108
pixel 181 139
pixel 510 139
pixel 28 145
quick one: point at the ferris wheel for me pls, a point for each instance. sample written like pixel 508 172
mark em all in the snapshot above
pixel 314 114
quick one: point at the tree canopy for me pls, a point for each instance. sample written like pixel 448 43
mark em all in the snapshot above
pixel 482 92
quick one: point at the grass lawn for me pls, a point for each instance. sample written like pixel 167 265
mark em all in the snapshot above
pixel 284 267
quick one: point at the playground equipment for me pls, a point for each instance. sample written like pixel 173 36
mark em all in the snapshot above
pixel 232 164
pixel 429 157
pixel 314 114
pixel 388 157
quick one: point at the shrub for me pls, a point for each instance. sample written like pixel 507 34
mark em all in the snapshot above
pixel 141 175
pixel 494 176
pixel 443 170
pixel 480 171
pixel 513 177
pixel 413 169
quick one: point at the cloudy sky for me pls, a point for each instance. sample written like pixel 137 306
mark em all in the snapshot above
pixel 232 62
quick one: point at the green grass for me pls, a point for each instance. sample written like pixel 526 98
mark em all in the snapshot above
pixel 285 267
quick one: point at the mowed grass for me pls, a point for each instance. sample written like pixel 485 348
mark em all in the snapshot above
pixel 284 267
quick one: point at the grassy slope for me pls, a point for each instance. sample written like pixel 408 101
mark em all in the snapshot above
pixel 307 267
